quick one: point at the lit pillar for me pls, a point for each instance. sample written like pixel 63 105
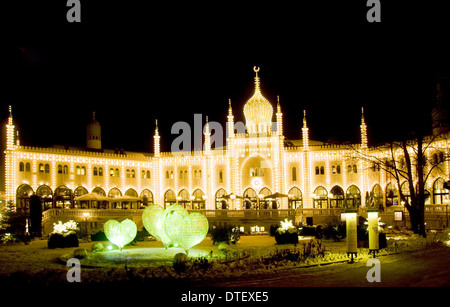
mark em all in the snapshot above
pixel 352 238
pixel 374 244
pixel 307 193
pixel 207 173
pixel 363 164
pixel 9 159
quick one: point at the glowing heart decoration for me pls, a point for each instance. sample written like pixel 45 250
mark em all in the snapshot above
pixel 175 226
pixel 120 233
pixel 194 229
pixel 153 220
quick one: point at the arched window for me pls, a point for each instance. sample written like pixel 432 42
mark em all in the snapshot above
pixel 111 172
pixel 220 176
pixel 195 174
pixel 83 170
pixel 355 168
pixel 148 174
pixel 41 167
pixel 77 170
pixel 100 171
pixel 322 170
pixel 391 195
pixel 320 198
pixel 133 174
pixel 338 169
pixel 440 193
pixel 377 192
pixel 199 174
pixel 333 169
pixel 27 167
pixel 295 198
pixel 353 196
pixel 405 191
pixel 249 201
pixel 349 169
pixel 23 194
pixel 60 169
pixel 317 170
pixel 21 167
pixel 65 169
pixel 337 197
pixel 95 171
pixel 294 174
pixel 147 196
pixel 99 191
pixel 169 198
pixel 116 172
pixel 199 199
pixel 221 201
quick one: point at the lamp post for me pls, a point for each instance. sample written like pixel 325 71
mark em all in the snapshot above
pixel 374 241
pixel 352 237
pixel 85 215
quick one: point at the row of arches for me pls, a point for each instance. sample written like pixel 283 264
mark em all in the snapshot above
pixel 63 198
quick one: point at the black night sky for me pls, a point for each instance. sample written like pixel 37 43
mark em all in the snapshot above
pixel 132 64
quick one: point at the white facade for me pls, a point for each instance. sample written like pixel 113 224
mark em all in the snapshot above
pixel 250 167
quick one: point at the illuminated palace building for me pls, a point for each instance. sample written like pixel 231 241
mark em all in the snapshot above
pixel 255 179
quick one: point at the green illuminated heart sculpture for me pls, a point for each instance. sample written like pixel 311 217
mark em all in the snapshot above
pixel 120 233
pixel 153 220
pixel 193 230
pixel 175 226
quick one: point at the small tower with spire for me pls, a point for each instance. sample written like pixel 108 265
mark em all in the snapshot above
pixel 305 133
pixel 10 134
pixel 207 134
pixel 156 141
pixel 363 130
pixel 279 116
pixel 439 114
pixel 230 121
pixel 94 134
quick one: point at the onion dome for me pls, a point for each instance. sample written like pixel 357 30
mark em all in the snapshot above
pixel 258 111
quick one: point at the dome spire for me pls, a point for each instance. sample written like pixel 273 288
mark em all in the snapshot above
pixel 256 70
pixel 258 110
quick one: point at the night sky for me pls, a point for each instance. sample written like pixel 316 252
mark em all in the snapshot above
pixel 132 64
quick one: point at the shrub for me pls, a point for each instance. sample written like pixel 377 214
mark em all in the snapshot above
pixel 180 262
pixel 286 233
pixel 335 231
pixel 57 240
pixel 97 247
pixel 99 236
pixel 288 237
pixel 228 234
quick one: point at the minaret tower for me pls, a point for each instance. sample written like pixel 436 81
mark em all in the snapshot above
pixel 156 139
pixel 363 131
pixel 363 164
pixel 307 168
pixel 10 131
pixel 232 157
pixel 230 121
pixel 279 118
pixel 10 165
pixel 439 114
pixel 94 134
pixel 305 133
